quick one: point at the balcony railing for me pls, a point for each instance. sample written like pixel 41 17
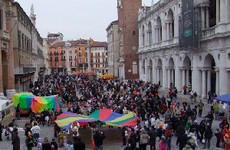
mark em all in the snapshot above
pixel 209 32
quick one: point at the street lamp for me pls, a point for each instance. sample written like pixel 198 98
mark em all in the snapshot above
pixel 67 47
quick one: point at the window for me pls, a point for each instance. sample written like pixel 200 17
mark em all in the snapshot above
pixel 134 33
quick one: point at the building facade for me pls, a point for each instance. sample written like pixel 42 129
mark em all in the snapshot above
pixel 75 56
pixel 113 48
pixel 128 38
pixel 7 87
pixel 28 48
pixel 99 57
pixel 205 68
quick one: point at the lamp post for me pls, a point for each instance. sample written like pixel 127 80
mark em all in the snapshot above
pixel 67 46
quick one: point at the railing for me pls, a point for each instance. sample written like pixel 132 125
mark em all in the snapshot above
pixel 208 32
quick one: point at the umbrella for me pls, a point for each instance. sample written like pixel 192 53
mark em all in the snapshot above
pixel 65 119
pixel 114 119
pixel 224 98
pixel 24 100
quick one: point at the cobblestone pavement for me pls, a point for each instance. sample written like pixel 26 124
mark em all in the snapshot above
pixel 112 141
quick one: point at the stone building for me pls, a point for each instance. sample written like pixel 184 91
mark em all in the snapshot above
pixel 28 48
pixel 128 38
pixel 99 57
pixel 76 58
pixel 113 48
pixel 7 87
pixel 206 68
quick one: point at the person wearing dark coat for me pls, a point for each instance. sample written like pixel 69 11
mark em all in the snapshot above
pixel 181 137
pixel 208 135
pixel 153 136
pixel 78 144
pixel 98 139
pixel 46 144
pixel 218 137
pixel 54 144
pixel 16 141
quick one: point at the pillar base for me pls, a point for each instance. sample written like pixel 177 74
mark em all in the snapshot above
pixel 10 92
pixel 2 97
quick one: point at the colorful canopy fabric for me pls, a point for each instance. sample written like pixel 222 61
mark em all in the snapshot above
pixel 114 119
pixel 40 104
pixel 65 120
pixel 24 100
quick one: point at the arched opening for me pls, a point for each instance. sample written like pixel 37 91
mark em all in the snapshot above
pixel 187 73
pixel 149 33
pixel 171 73
pixel 159 72
pixel 143 36
pixel 170 24
pixel 158 29
pixel 210 74
pixel 4 72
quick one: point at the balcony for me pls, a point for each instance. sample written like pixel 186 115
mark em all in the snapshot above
pixel 4 35
pixel 208 32
pixel 221 28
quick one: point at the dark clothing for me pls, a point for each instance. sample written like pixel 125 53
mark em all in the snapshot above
pixel 55 145
pixel 98 138
pixel 181 140
pixel 29 143
pixel 1 131
pixel 46 146
pixel 208 133
pixel 16 142
pixel 79 146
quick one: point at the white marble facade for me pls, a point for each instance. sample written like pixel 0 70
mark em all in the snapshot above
pixel 161 61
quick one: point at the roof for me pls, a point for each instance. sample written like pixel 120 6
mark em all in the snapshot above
pixel 74 43
pixel 99 44
pixel 112 23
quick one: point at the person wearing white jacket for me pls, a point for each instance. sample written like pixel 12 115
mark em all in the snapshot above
pixel 36 132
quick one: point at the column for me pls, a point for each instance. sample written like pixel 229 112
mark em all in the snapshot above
pixel 178 82
pixel 204 95
pixel 217 11
pixel 187 77
pixel 203 17
pixel 172 77
pixel 183 78
pixel 1 78
pixel 157 75
pixel 167 31
pixel 169 81
pixel 165 79
pixel 217 82
pixel 223 10
pixel 208 80
pixel 10 60
pixel 207 17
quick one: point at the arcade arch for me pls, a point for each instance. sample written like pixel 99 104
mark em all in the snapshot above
pixel 209 80
pixel 159 72
pixel 171 73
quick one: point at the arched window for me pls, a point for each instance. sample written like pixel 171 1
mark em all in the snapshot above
pixel 149 33
pixel 158 30
pixel 143 36
pixel 170 24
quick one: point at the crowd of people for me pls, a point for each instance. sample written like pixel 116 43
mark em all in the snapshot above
pixel 160 117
